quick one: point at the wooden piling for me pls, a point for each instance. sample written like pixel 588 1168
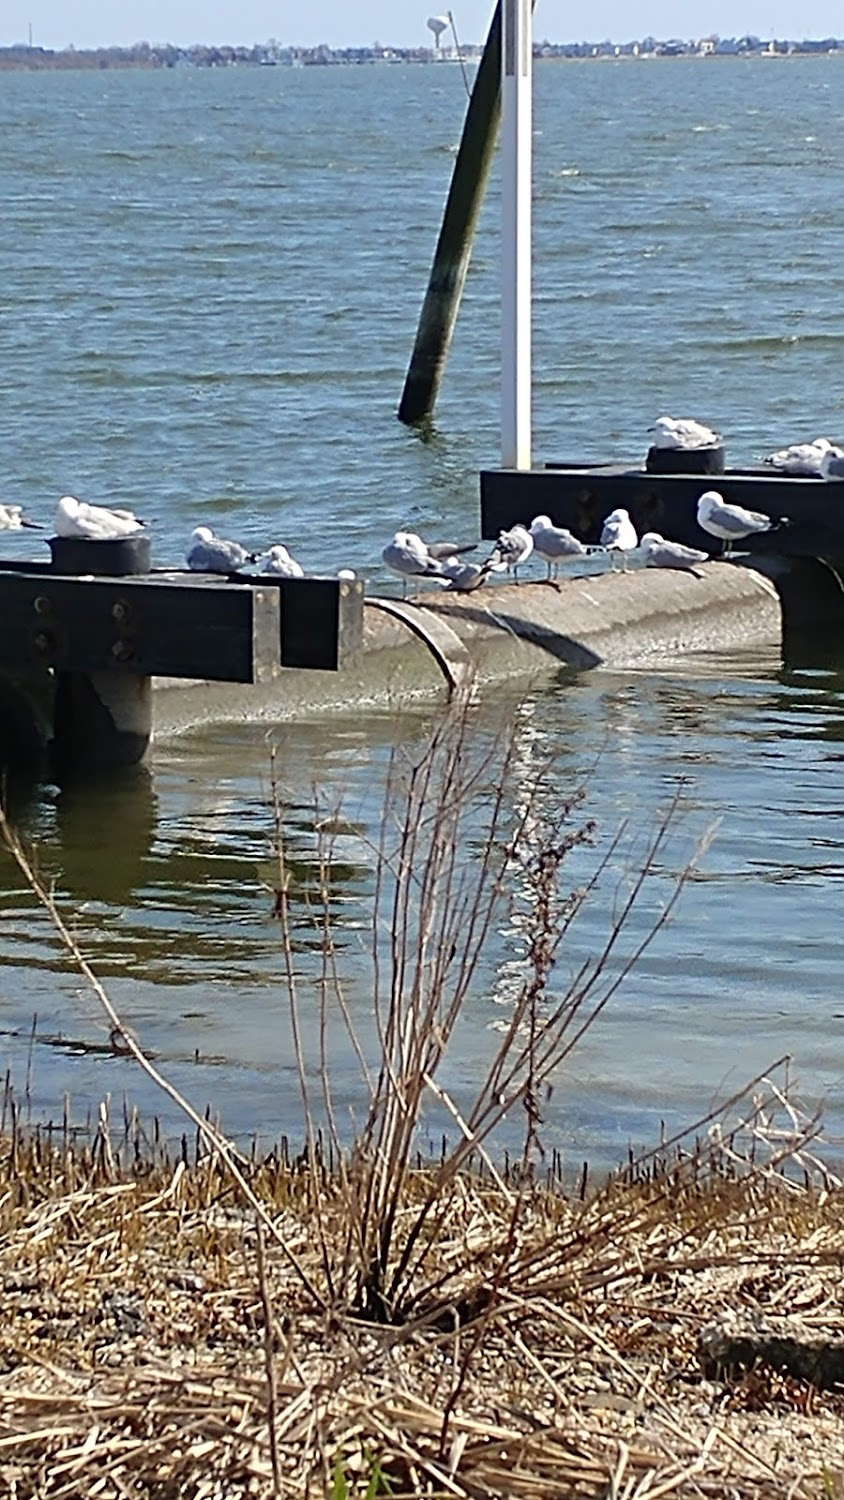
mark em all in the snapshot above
pixel 454 246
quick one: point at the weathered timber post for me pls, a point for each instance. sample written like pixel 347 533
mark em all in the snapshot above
pixel 102 720
pixel 454 246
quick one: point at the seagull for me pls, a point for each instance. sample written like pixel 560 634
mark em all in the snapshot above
pixel 554 543
pixel 832 463
pixel 208 553
pixel 94 523
pixel 408 556
pixel 12 519
pixel 732 522
pixel 803 458
pixel 277 561
pixel 682 432
pixel 659 553
pixel 618 533
pixel 510 551
pixel 463 577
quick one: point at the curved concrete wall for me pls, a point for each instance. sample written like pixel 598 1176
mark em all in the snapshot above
pixel 509 631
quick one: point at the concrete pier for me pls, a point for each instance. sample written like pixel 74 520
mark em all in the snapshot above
pixel 509 632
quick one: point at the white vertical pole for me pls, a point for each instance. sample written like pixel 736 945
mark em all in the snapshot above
pixel 516 147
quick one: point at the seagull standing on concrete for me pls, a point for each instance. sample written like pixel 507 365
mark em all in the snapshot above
pixel 12 518
pixel 803 458
pixel 732 522
pixel 510 551
pixel 277 562
pixel 94 523
pixel 554 543
pixel 463 577
pixel 408 556
pixel 618 534
pixel 683 432
pixel 208 553
pixel 658 553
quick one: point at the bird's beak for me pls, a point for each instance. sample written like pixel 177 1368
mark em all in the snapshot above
pixel 32 525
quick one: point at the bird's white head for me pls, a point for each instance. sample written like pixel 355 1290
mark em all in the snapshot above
pixel 540 523
pixel 68 506
pixel 618 515
pixel 650 540
pixel 707 503
pixel 202 534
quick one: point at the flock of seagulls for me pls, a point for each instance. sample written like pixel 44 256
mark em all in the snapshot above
pixel 447 563
pixel 820 457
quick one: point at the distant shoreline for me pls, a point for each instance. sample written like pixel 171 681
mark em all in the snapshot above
pixel 145 56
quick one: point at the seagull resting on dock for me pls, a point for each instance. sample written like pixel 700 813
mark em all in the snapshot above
pixel 658 553
pixel 12 518
pixel 618 533
pixel 277 562
pixel 463 577
pixel 208 553
pixel 732 522
pixel 510 551
pixel 554 543
pixel 832 463
pixel 683 432
pixel 94 523
pixel 803 458
pixel 408 556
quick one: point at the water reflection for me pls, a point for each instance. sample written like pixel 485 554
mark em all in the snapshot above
pixel 170 884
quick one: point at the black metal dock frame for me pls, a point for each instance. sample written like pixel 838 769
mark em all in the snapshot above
pixel 78 650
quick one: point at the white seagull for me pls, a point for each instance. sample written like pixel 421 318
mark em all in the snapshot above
pixel 659 553
pixel 463 577
pixel 94 523
pixel 618 533
pixel 408 556
pixel 12 518
pixel 554 543
pixel 278 562
pixel 683 432
pixel 510 551
pixel 208 553
pixel 803 458
pixel 832 464
pixel 732 522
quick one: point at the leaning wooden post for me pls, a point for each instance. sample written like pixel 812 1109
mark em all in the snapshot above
pixel 102 720
pixel 454 246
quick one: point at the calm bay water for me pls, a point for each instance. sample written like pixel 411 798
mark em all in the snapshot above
pixel 209 284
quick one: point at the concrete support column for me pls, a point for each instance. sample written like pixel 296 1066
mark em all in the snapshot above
pixel 101 720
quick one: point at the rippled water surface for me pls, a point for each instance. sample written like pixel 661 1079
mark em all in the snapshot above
pixel 209 283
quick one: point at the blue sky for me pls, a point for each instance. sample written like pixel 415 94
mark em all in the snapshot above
pixel 91 23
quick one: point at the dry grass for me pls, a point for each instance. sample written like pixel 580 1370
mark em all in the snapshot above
pixel 137 1336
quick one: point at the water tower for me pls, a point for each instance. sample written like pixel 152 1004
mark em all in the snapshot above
pixel 437 24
